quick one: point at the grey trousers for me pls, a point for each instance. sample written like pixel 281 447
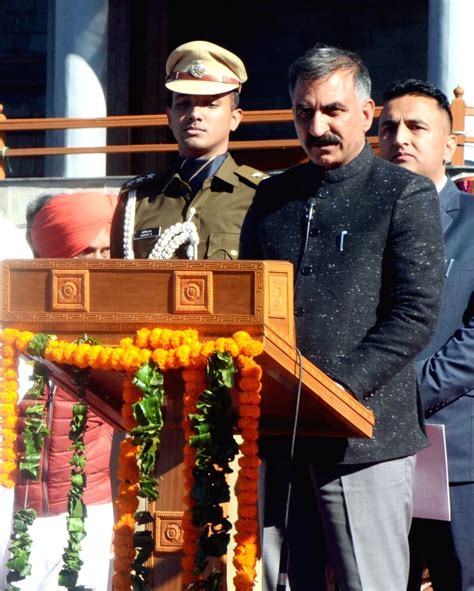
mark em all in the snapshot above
pixel 356 518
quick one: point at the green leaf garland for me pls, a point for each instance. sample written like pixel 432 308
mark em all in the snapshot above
pixel 35 426
pixel 143 544
pixel 29 464
pixel 147 434
pixel 20 547
pixel 215 449
pixel 76 508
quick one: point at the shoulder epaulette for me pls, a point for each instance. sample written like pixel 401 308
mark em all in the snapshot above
pixel 251 174
pixel 144 179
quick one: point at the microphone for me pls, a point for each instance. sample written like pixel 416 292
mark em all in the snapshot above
pixel 309 210
pixel 310 205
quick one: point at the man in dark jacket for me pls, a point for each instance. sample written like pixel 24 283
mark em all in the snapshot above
pixel 366 242
pixel 416 133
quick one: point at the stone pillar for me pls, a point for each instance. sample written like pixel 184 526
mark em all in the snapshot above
pixel 77 81
pixel 450 51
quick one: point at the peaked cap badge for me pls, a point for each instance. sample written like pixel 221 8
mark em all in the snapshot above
pixel 197 69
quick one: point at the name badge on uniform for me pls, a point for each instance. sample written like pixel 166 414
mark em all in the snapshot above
pixel 147 233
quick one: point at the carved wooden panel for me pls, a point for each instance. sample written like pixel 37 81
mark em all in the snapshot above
pixel 69 290
pixel 193 292
pixel 278 295
pixel 215 297
pixel 168 531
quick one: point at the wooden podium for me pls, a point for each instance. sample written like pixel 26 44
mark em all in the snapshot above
pixel 112 299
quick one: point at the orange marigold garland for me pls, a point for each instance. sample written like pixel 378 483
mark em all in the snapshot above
pixel 127 500
pixel 167 349
pixel 13 342
pixel 246 537
pixel 8 416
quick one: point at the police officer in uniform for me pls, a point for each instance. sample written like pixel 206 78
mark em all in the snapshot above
pixel 196 209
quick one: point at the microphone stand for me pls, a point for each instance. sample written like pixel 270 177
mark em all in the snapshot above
pixel 282 580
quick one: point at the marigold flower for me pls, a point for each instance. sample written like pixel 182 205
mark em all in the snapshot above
pixel 251 461
pixel 8 336
pixel 6 481
pixel 208 348
pixel 129 424
pixel 249 411
pixel 248 512
pixel 154 338
pixel 10 374
pixel 250 473
pixel 250 384
pixel 247 423
pixel 144 356
pixel 9 396
pixel 159 356
pixel 8 362
pixel 9 422
pixel 8 437
pixel 7 454
pixel 165 337
pixel 141 338
pixel 247 497
pixel 183 354
pixel 246 538
pixel 247 525
pixel 253 349
pixel 249 398
pixel 7 410
pixel 8 351
pixel 249 448
pixel 126 342
pixel 125 552
pixel 127 504
pixel 250 434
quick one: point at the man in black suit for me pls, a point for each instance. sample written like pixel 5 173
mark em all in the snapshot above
pixel 365 238
pixel 416 133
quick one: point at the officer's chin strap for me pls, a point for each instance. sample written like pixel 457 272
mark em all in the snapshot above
pixel 282 581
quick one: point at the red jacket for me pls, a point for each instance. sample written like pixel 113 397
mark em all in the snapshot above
pixel 48 495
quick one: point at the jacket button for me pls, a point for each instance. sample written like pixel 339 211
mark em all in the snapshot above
pixel 306 270
pixel 299 311
pixel 313 232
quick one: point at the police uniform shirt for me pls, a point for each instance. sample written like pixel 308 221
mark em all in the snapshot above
pixel 164 199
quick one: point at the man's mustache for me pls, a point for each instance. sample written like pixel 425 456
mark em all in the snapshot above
pixel 328 139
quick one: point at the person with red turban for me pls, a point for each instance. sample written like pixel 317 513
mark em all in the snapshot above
pixel 71 225
pixel 75 225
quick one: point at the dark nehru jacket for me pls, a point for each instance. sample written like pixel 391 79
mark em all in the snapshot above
pixel 368 289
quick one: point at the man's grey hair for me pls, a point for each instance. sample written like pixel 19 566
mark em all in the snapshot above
pixel 323 60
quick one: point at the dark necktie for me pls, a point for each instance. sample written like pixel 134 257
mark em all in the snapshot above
pixel 195 171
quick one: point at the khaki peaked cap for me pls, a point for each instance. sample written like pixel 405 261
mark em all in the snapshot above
pixel 200 67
